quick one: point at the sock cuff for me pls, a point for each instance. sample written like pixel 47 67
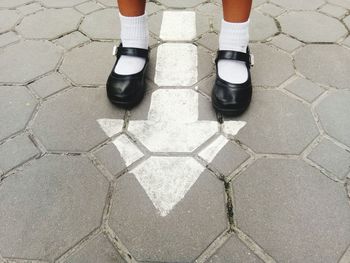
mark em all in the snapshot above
pixel 134 31
pixel 237 26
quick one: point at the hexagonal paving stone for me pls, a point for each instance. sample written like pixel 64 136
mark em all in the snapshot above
pixel 69 121
pixel 110 3
pixel 61 3
pixel 8 19
pixel 320 28
pixel 13 3
pixel 331 157
pixel 16 107
pixel 180 3
pixel 293 211
pixel 51 204
pixel 102 24
pixel 299 4
pixel 17 65
pixel 151 237
pixel 78 67
pixel 272 67
pixel 334 115
pixel 277 123
pixel 234 251
pixel 261 27
pixel 326 64
pixel 97 250
pixel 57 23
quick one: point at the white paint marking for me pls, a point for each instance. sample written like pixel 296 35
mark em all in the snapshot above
pixel 176 65
pixel 178 26
pixel 208 154
pixel 128 151
pixel 232 127
pixel 111 126
pixel 169 105
pixel 166 180
pixel 173 124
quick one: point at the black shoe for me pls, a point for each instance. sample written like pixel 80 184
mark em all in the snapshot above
pixel 127 90
pixel 229 98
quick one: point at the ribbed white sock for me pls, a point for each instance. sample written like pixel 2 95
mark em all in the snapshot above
pixel 134 33
pixel 233 36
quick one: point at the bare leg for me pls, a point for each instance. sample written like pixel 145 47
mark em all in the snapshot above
pixel 131 7
pixel 236 10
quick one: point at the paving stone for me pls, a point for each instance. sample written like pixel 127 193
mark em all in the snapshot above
pixel 333 10
pixel 61 3
pixel 97 250
pixel 108 3
pixel 285 42
pixel 332 158
pixel 16 151
pixel 207 84
pixel 343 3
pixel 347 21
pixel 346 42
pixel 29 9
pixel 227 159
pixel 57 22
pixel 272 67
pixel 49 85
pixel 119 154
pixel 210 40
pixel 283 203
pixel 13 3
pixel 78 67
pixel 8 38
pixel 78 129
pixel 261 26
pixel 305 89
pixel 332 69
pixel 202 213
pixel 234 251
pixel 180 3
pixel 299 4
pixel 334 115
pixel 8 19
pixel 88 7
pixel 107 21
pixel 283 134
pixel 271 9
pixel 16 107
pixel 51 204
pixel 321 28
pixel 209 9
pixel 255 3
pixel 72 40
pixel 152 8
pixel 42 58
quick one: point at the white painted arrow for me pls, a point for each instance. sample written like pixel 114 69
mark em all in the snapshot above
pixel 172 125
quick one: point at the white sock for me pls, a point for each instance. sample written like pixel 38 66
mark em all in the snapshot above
pixel 233 36
pixel 134 33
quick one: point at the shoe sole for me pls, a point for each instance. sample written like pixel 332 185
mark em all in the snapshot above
pixel 127 105
pixel 229 112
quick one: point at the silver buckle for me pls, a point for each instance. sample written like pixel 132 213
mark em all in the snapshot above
pixel 114 50
pixel 251 56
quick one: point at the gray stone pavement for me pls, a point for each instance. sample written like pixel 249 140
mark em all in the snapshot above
pixel 83 181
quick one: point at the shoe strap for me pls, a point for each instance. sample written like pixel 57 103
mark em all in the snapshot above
pixel 234 55
pixel 132 51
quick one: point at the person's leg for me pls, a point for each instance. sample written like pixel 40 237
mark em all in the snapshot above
pixel 234 35
pixel 134 33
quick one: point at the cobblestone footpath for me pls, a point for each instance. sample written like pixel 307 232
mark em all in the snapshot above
pixel 83 181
